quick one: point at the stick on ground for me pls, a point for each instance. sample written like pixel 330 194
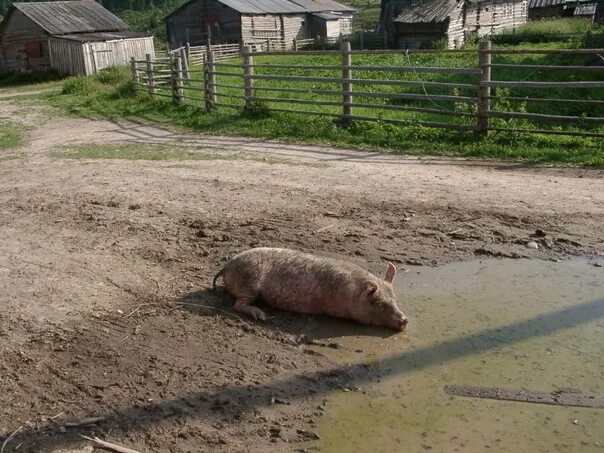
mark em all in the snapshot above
pixel 110 446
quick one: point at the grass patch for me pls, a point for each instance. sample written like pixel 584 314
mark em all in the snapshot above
pixel 116 98
pixel 136 151
pixel 553 27
pixel 11 135
pixel 27 78
pixel 141 151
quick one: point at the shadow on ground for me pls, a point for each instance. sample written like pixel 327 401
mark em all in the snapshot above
pixel 213 404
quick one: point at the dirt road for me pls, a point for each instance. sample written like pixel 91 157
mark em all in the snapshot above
pixel 105 266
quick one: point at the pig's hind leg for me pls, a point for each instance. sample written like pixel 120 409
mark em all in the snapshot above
pixel 243 305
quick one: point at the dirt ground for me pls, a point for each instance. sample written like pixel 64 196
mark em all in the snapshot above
pixel 106 264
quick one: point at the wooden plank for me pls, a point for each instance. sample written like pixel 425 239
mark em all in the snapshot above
pixel 561 397
pixel 468 86
pixel 298 101
pixel 510 84
pixel 337 80
pixel 419 97
pixel 227 85
pixel 412 51
pixel 545 51
pixel 549 100
pixel 231 106
pixel 552 67
pixel 299 90
pixel 548 132
pixel 412 109
pixel 429 69
pixel 432 124
pixel 542 117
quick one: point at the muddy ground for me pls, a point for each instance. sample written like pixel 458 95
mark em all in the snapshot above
pixel 105 268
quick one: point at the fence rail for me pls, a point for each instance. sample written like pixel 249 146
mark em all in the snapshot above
pixel 353 90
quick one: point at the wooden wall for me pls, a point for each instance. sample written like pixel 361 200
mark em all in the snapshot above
pixel 295 26
pixel 85 58
pixel 455 31
pixel 487 18
pixel 417 36
pixel 546 12
pixel 346 24
pixel 19 32
pixel 189 24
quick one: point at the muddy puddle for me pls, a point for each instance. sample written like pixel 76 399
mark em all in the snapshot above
pixel 516 324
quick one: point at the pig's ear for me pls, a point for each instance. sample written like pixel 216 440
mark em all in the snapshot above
pixel 390 273
pixel 370 290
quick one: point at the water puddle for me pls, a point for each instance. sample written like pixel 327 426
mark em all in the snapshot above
pixel 496 323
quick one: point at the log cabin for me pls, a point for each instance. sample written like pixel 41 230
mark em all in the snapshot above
pixel 411 24
pixel 74 37
pixel 246 21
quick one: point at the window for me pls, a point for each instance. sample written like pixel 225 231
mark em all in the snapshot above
pixel 508 10
pixel 33 49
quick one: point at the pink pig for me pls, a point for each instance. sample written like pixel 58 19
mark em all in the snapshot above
pixel 299 282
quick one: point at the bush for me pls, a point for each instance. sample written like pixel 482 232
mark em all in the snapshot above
pixel 82 85
pixel 118 77
pixel 113 75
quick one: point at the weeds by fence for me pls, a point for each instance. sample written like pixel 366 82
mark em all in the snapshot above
pixel 344 86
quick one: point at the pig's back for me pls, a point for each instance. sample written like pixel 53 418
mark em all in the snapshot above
pixel 296 281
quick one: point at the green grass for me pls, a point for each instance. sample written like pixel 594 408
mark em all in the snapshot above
pixel 153 152
pixel 11 135
pixel 115 97
pixel 28 78
pixel 553 27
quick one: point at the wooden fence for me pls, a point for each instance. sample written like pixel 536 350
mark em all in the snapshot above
pixel 359 91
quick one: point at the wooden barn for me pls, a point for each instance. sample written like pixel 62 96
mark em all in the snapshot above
pixel 412 24
pixel 74 37
pixel 257 21
pixel 551 9
pixel 489 17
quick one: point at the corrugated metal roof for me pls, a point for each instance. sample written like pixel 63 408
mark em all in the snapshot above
pixel 278 6
pixel 326 16
pixel 566 3
pixel 104 36
pixel 263 6
pixel 545 3
pixel 588 9
pixel 315 6
pixel 427 11
pixel 76 16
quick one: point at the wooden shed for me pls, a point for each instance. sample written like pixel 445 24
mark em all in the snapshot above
pixel 88 53
pixel 489 17
pixel 428 23
pixel 28 29
pixel 256 21
pixel 550 9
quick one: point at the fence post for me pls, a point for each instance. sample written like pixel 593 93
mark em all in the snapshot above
pixel 484 91
pixel 361 39
pixel 150 75
pixel 211 97
pixel 188 53
pixel 346 85
pixel 248 77
pixel 134 70
pixel 184 61
pixel 176 76
pixel 295 44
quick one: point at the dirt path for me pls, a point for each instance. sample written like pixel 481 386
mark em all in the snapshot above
pixel 105 265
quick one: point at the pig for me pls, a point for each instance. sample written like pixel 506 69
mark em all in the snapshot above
pixel 294 281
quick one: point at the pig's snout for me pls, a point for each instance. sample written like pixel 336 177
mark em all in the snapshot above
pixel 403 323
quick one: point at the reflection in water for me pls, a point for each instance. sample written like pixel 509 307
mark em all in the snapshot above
pixel 508 323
